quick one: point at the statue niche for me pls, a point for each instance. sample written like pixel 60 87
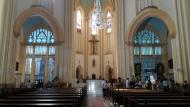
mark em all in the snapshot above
pixel 93 76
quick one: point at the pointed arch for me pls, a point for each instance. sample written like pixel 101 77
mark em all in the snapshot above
pixel 145 14
pixel 43 13
pixel 109 21
pixel 92 24
pixel 79 11
pixel 78 19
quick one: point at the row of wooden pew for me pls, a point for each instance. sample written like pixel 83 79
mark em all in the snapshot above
pixel 147 98
pixel 67 97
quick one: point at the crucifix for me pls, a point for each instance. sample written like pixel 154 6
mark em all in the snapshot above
pixel 93 42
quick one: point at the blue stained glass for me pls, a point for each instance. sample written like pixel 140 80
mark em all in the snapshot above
pixel 41 36
pixel 43 40
pixel 157 51
pixel 30 40
pixel 51 50
pixel 52 41
pixel 147 37
pixel 38 41
pixel 136 50
pixel 146 51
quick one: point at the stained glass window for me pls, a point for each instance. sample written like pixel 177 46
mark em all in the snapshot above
pixel 136 50
pixel 147 43
pixel 109 22
pixel 157 51
pixel 28 65
pixel 79 20
pixel 146 51
pixel 41 35
pixel 93 24
pixel 40 44
pixel 146 37
pixel 29 50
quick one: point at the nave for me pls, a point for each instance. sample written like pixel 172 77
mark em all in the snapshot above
pixel 53 96
pixel 92 95
pixel 59 42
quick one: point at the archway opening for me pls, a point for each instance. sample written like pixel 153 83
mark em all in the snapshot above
pixel 37 29
pixel 152 50
pixel 39 50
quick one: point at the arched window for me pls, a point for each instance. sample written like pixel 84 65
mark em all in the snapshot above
pixel 39 49
pixel 79 21
pixel 93 24
pixel 109 22
pixel 147 42
pixel 147 53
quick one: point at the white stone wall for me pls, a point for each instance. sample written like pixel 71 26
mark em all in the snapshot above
pixel 125 11
pixel 7 42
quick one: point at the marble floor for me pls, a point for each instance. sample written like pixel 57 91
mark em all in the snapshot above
pixel 98 101
pixel 94 95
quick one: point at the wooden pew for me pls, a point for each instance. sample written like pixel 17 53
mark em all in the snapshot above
pixel 37 104
pixel 140 101
pixel 119 94
pixel 62 97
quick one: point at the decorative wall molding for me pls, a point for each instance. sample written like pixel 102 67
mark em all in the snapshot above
pixel 145 14
pixel 45 14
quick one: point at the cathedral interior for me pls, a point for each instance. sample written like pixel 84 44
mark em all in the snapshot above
pixel 63 42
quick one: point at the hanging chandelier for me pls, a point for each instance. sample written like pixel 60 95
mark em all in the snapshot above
pixel 97 20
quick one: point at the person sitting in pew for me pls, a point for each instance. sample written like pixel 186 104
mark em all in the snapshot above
pixel 185 85
pixel 149 84
pixel 160 86
pixel 127 83
pixel 28 84
pixel 166 85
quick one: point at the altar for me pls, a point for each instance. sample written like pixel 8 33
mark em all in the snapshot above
pixel 94 87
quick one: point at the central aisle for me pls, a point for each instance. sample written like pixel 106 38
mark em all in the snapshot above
pixel 95 95
pixel 94 87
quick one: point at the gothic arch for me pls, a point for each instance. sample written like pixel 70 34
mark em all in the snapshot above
pixel 82 16
pixel 145 14
pixel 108 8
pixel 45 14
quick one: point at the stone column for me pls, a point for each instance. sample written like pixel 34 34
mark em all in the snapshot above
pixel 101 72
pixel 2 12
pixel 46 76
pixel 179 45
pixel 56 61
pixel 120 52
pixel 7 45
pixel 114 45
pixel 186 16
pixel 33 70
pixel 21 55
pixel 86 46
pixel 67 23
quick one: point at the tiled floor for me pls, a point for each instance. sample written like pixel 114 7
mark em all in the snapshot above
pixel 98 101
pixel 94 96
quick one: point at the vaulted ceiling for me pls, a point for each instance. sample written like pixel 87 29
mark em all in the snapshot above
pixel 88 5
pixel 31 21
pixel 154 24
